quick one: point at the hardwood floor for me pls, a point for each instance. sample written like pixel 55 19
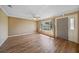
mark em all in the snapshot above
pixel 38 43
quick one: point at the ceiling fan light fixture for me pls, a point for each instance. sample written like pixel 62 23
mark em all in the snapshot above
pixel 10 6
pixel 36 18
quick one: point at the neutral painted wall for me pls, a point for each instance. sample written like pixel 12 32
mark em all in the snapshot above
pixel 73 34
pixel 3 27
pixel 18 26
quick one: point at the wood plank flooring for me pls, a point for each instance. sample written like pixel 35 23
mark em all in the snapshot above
pixel 38 43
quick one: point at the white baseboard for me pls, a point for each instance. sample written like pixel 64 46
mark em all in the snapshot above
pixel 3 41
pixel 20 34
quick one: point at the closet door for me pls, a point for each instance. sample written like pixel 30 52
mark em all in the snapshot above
pixel 62 28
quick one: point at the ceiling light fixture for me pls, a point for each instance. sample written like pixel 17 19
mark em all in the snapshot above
pixel 36 18
pixel 10 6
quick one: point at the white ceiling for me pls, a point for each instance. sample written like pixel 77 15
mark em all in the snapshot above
pixel 42 11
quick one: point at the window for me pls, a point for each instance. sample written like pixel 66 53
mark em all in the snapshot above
pixel 46 25
pixel 72 23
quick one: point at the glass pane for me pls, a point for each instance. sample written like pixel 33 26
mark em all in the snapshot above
pixel 72 23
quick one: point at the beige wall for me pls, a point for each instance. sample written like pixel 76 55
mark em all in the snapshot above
pixel 3 27
pixel 78 26
pixel 19 26
pixel 73 34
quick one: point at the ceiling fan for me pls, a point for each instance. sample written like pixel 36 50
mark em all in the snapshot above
pixel 10 6
pixel 35 17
